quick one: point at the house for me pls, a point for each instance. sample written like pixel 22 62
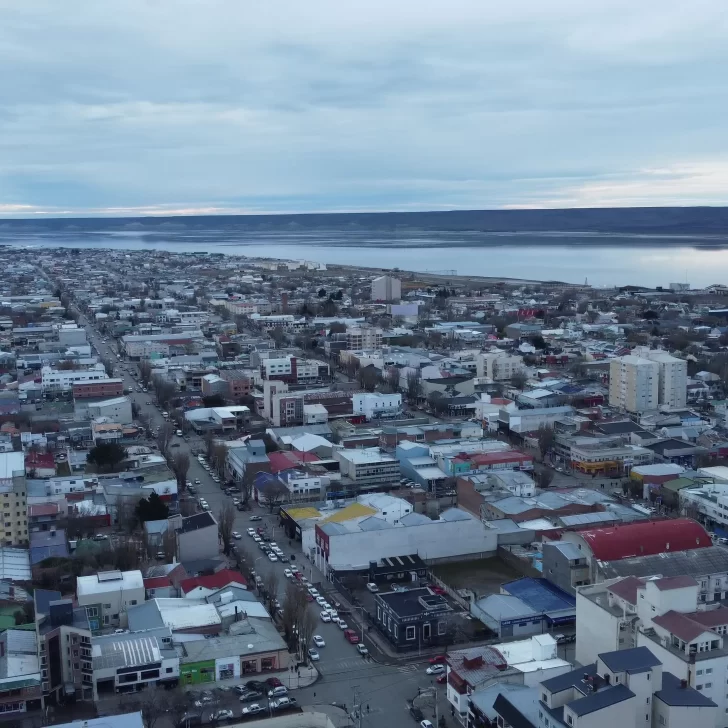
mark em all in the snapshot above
pixel 198 587
pixel 20 673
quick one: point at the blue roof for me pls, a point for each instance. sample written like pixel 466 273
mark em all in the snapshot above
pixel 601 699
pixel 636 659
pixel 673 693
pixel 540 595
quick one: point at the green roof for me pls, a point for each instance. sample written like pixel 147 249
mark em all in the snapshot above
pixel 680 483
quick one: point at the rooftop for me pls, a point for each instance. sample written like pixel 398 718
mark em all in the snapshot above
pixel 108 581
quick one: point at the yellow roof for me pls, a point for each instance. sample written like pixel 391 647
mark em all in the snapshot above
pixel 301 514
pixel 355 510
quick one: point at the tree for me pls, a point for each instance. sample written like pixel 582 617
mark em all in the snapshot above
pixel 546 439
pixel 152 706
pixel 152 508
pixel 219 457
pixel 543 477
pixel 145 371
pixel 126 513
pixel 164 437
pixel 650 315
pixel 322 293
pixel 518 380
pixel 275 494
pixel 225 521
pixel 213 400
pixel 270 443
pixel 180 467
pixel 393 377
pixel 294 607
pixel 106 456
pixel 414 385
pixel 177 707
pixel 368 378
pixel 337 327
pixel 270 585
pixel 278 336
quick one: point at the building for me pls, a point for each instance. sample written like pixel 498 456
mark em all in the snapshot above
pixel 600 546
pixel 375 406
pixel 62 380
pixel 672 378
pixel 634 383
pixel 565 565
pixel 13 492
pixel 365 337
pixel 20 674
pixel 663 616
pixel 386 288
pixel 116 410
pixel 98 388
pixel 108 595
pixel 524 421
pixel 368 468
pixel 64 648
pixel 294 370
pixel 498 365
pixel 197 537
pixel 625 688
pixel 414 619
pixel 345 541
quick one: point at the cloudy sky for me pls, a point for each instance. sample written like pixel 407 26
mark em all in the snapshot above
pixel 163 106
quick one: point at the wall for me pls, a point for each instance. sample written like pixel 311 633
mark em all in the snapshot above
pixel 597 630
pixel 204 543
pixel 194 673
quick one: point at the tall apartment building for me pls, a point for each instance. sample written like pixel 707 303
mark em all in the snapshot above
pixel 364 338
pixel 673 378
pixel 634 383
pixel 386 288
pixel 497 365
pixel 647 379
pixel 13 496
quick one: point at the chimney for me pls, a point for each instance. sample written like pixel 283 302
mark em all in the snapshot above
pixel 684 684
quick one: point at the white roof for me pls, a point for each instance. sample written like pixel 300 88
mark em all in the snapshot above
pixel 11 462
pixel 365 455
pixel 108 581
pixel 15 564
pixel 537 524
pixel 720 472
pixel 187 613
pixel 308 442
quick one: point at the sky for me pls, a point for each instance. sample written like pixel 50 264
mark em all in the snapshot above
pixel 149 107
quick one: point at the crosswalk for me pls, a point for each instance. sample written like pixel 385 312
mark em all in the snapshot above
pixel 408 668
pixel 342 665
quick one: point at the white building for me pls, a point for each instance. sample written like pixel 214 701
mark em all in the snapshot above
pixel 498 365
pixel 364 338
pixel 108 595
pixel 367 466
pixel 386 288
pixel 673 376
pixel 62 380
pixel 634 383
pixel 117 409
pixel 665 616
pixel 374 405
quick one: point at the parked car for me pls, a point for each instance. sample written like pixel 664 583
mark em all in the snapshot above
pixel 325 617
pixel 319 641
pixel 236 536
pixel 256 518
pixel 253 709
pixel 283 703
pixel 442 679
pixel 372 587
pixel 251 695
pixel 438 660
pixel 361 649
pixel 416 713
pixel 343 625
pixel 273 682
pixel 313 655
pixel 256 685
pixel 351 636
pixel 222 714
pixel 278 692
pixel 435 669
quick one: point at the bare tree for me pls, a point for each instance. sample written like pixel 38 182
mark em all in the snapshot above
pixel 177 707
pixel 414 385
pixel 546 439
pixel 180 467
pixel 393 377
pixel 518 380
pixel 225 521
pixel 169 545
pixel 368 378
pixel 145 371
pixel 270 584
pixel 164 437
pixel 219 457
pixel 295 606
pixel 152 706
pixel 108 365
pixel 209 441
pixel 246 491
pixel 306 630
pixel 126 513
pixel 275 495
pixel 187 507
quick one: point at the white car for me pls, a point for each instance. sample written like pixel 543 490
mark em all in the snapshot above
pixel 257 539
pixel 334 615
pixel 287 573
pixel 318 640
pixel 325 617
pixel 321 602
pixel 251 532
pixel 343 625
pixel 313 655
pixel 435 669
pixel 236 536
pixel 372 587
pixel 272 556
pixel 314 592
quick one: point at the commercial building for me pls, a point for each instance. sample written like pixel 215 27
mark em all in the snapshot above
pixel 364 337
pixel 367 469
pixel 20 675
pixel 62 380
pixel 386 288
pixel 108 595
pixel 116 410
pixel 294 370
pixel 100 388
pixel 524 421
pixel 143 346
pixel 375 406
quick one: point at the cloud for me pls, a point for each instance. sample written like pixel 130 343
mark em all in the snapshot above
pixel 232 105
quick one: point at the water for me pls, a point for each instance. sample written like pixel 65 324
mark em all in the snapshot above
pixel 599 259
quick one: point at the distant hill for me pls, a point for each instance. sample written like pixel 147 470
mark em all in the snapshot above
pixel 663 221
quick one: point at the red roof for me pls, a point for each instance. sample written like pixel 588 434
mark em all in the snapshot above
pixel 280 461
pixel 689 626
pixel 157 582
pixel 213 581
pixel 43 509
pixel 39 460
pixel 493 458
pixel 646 539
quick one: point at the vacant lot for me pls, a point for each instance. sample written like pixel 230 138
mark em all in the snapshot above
pixel 482 577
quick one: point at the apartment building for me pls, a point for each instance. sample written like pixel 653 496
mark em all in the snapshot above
pixel 13 496
pixel 386 288
pixel 634 383
pixel 364 338
pixel 497 365
pixel 664 616
pixel 368 468
pixel 293 370
pixel 673 376
pixel 374 405
pixel 108 595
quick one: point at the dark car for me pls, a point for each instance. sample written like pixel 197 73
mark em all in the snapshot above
pixel 255 685
pixel 416 713
pixel 250 696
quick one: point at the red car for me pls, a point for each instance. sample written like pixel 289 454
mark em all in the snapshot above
pixel 438 660
pixel 437 589
pixel 351 636
pixel 273 682
pixel 441 679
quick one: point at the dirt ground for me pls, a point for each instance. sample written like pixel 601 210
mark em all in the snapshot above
pixel 483 577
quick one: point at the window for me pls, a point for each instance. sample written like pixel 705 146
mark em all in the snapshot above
pixel 168 670
pixel 132 602
pixel 698 672
pixel 699 687
pixel 107 606
pixel 708 685
pixel 544 698
pixel 410 633
pixel 570 719
pixel 708 670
